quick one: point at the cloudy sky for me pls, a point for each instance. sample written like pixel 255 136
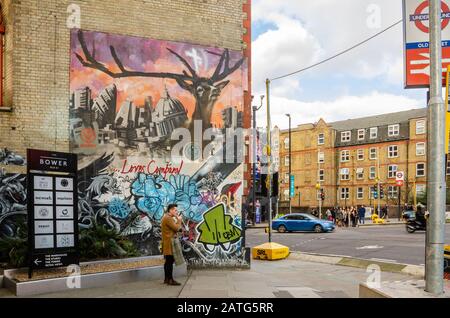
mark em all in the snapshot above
pixel 292 34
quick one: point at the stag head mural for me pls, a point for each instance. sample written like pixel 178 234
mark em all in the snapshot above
pixel 205 90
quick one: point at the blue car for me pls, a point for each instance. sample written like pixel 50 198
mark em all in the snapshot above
pixel 301 222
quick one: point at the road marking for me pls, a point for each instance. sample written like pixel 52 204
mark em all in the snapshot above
pixel 383 260
pixel 369 247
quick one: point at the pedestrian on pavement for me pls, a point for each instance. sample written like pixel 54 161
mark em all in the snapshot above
pixel 340 217
pixel 384 212
pixel 346 217
pixel 361 214
pixel 333 215
pixel 171 224
pixel 329 218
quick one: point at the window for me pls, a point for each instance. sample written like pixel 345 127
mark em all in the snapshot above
pixel 372 173
pixel 286 143
pixel 360 193
pixel 345 193
pixel 286 194
pixel 420 149
pixel 318 197
pixel 373 132
pixel 321 139
pixel 361 134
pixel 345 155
pixel 392 151
pixel 420 170
pixel 321 176
pixel 286 161
pixel 420 127
pixel 392 170
pixel 345 136
pixel 359 173
pixel 286 178
pixel 373 153
pixel 448 167
pixel 320 157
pixel 360 154
pixel 392 192
pixel 345 174
pixel 420 189
pixel 393 130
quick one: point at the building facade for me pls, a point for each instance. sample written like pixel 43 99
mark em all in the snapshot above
pixel 110 81
pixel 348 158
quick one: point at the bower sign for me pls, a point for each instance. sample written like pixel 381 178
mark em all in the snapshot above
pixel 52 209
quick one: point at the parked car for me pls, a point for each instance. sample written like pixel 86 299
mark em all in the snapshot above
pixel 408 214
pixel 301 222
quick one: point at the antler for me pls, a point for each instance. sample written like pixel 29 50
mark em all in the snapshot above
pixel 91 62
pixel 224 63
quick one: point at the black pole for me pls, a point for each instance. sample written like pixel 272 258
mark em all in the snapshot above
pixel 399 197
pixel 290 163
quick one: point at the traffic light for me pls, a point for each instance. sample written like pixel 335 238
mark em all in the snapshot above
pixel 322 195
pixel 381 191
pixel 375 192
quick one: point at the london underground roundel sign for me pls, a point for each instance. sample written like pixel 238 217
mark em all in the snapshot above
pixel 416 41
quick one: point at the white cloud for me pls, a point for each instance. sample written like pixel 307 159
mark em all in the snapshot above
pixel 345 107
pixel 276 52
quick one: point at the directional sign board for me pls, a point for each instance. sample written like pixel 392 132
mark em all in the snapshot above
pixel 399 178
pixel 52 209
pixel 416 42
pixel 291 189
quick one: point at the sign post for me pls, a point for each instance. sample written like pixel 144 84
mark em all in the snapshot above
pixel 399 178
pixel 52 209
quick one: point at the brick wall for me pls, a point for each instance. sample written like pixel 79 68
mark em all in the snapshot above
pixel 37 53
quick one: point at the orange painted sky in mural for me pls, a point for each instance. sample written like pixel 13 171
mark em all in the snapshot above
pixel 137 89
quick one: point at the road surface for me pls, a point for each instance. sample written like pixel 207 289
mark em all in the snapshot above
pixel 384 243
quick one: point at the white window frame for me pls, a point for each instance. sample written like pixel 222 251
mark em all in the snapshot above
pixel 393 130
pixel 345 176
pixel 345 155
pixel 286 177
pixel 360 193
pixel 392 171
pixel 421 127
pixel 359 175
pixel 417 169
pixel 346 136
pixel 344 193
pixel 393 153
pixel 360 154
pixel 374 172
pixel 373 132
pixel 361 134
pixel 321 157
pixel 375 152
pixel 286 143
pixel 423 149
pixel 423 188
pixel 321 175
pixel 392 192
pixel 286 161
pixel 321 139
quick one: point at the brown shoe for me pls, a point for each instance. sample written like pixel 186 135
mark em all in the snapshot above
pixel 173 283
pixel 166 281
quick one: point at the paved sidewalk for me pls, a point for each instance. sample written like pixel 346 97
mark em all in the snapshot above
pixel 286 278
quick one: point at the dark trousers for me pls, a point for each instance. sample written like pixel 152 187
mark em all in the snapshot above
pixel 168 266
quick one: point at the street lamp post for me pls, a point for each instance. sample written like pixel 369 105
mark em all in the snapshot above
pixel 255 109
pixel 290 163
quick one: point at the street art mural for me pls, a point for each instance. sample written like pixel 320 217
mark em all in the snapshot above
pixel 128 95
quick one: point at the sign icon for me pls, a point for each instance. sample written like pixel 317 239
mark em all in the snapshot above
pixel 64 183
pixel 399 178
pixel 43 212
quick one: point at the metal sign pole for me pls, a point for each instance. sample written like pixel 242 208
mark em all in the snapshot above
pixel 269 155
pixel 436 160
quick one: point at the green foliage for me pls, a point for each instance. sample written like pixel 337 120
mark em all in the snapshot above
pixel 98 242
pixel 14 250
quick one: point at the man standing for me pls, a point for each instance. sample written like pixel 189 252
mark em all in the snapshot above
pixel 361 214
pixel 170 225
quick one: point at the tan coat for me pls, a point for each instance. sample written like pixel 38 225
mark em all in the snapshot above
pixel 169 229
